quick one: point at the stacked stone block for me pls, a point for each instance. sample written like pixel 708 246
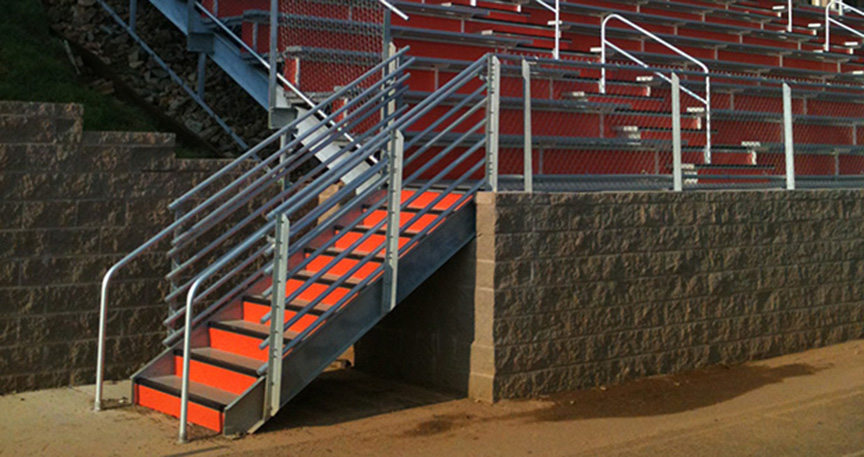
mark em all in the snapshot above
pixel 593 289
pixel 72 204
pixel 568 291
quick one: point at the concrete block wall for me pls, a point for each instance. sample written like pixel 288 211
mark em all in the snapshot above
pixel 570 291
pixel 593 289
pixel 72 204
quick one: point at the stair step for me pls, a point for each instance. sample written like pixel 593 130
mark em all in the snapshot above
pixel 343 266
pixel 202 394
pixel 259 302
pixel 424 200
pixel 328 278
pixel 404 217
pixel 162 394
pixel 213 375
pixel 223 359
pixel 250 329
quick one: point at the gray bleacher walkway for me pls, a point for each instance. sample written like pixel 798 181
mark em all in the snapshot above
pixel 807 404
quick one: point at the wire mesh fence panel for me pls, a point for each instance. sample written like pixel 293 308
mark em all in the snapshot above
pixel 325 45
pixel 581 139
pixel 747 149
pixel 826 123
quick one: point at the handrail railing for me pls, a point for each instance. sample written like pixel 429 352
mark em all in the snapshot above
pixel 842 7
pixel 233 189
pixel 706 100
pixel 556 52
pixel 130 29
pixel 419 146
pixel 281 78
pixel 395 10
pixel 294 204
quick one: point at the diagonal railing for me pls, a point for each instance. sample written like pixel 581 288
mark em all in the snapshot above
pixel 706 100
pixel 262 221
pixel 841 8
pixel 228 204
pixel 318 226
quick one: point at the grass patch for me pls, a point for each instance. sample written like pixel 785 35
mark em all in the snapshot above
pixel 34 67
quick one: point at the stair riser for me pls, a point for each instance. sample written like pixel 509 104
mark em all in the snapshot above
pixel 170 404
pixel 253 312
pixel 214 376
pixel 236 343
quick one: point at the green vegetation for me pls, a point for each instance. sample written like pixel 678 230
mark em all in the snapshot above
pixel 34 67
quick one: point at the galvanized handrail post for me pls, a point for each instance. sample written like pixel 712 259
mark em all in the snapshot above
pixel 272 70
pixel 273 388
pixel 187 353
pixel 493 114
pixel 133 14
pixel 788 138
pixel 396 157
pixel 528 154
pixel 556 10
pixel 677 172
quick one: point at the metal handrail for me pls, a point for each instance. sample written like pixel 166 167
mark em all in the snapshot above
pixel 172 228
pixel 279 134
pixel 129 28
pixel 706 101
pixel 842 7
pixel 395 10
pixel 556 52
pixel 263 62
pixel 408 119
pixel 345 160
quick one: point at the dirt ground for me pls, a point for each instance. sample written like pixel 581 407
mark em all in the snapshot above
pixel 808 404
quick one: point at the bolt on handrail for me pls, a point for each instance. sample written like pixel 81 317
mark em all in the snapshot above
pixel 842 7
pixel 706 100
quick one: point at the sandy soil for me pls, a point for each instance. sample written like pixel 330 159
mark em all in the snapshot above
pixel 808 404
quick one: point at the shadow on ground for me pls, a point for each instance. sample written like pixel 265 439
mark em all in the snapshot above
pixel 667 394
pixel 648 397
pixel 346 395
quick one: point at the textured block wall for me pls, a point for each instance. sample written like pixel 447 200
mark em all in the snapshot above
pixel 568 291
pixel 72 204
pixel 593 289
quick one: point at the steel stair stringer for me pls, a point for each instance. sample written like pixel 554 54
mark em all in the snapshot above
pixel 319 350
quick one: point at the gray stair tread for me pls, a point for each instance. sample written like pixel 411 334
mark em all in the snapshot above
pixel 306 274
pixel 295 305
pixel 252 328
pixel 227 358
pixel 199 393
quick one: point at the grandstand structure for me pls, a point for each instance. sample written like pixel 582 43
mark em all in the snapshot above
pixel 409 108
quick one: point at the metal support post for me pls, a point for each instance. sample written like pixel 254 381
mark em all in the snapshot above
pixel 787 137
pixel 394 209
pixel 528 153
pixel 677 178
pixel 493 114
pixel 202 68
pixel 273 388
pixel 272 51
pixel 133 14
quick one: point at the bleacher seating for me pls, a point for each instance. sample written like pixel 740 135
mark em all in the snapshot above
pixel 742 38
